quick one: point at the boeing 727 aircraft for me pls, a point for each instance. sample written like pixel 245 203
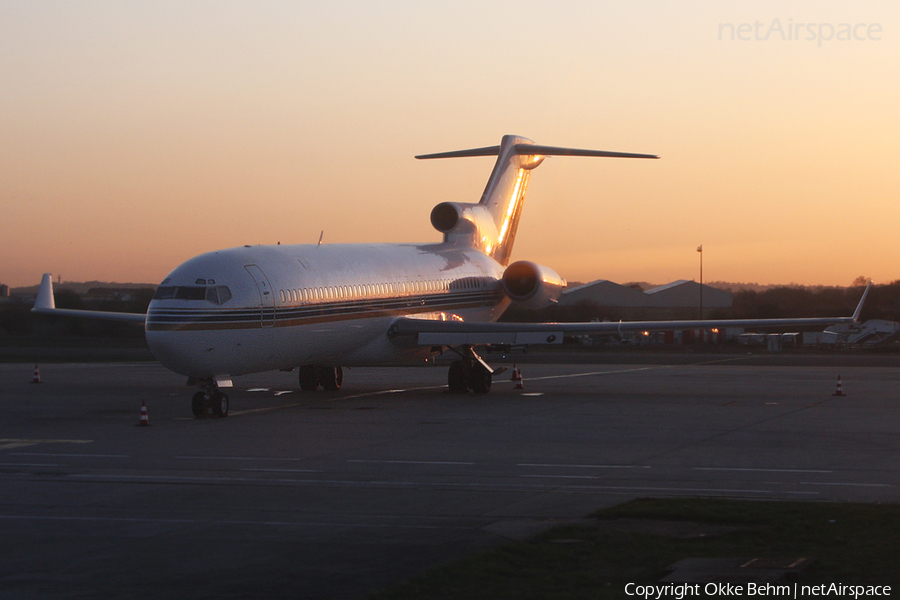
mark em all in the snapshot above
pixel 319 308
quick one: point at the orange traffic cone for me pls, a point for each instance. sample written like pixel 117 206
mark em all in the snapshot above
pixel 144 421
pixel 520 382
pixel 37 375
pixel 840 389
pixel 516 374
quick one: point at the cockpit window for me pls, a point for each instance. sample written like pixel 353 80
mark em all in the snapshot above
pixel 224 294
pixel 218 294
pixel 164 292
pixel 190 292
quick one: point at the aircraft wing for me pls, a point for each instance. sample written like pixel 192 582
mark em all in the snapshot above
pixel 46 305
pixel 424 332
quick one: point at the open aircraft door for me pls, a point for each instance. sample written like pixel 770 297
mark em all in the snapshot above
pixel 266 297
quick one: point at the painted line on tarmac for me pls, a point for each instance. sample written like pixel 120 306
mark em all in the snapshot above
pixel 6 444
pixel 689 490
pixel 412 462
pixel 69 455
pixel 109 519
pixel 281 471
pixel 229 522
pixel 585 466
pixel 635 370
pixel 238 458
pixel 847 484
pixel 561 477
pixel 238 413
pixel 500 487
pixel 589 373
pixel 761 470
pixel 439 387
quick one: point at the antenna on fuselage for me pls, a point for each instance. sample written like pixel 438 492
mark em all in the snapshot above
pixel 321 235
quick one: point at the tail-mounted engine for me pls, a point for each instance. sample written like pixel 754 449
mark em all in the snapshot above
pixel 531 285
pixel 464 223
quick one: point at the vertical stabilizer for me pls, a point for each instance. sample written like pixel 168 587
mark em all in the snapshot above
pixel 503 195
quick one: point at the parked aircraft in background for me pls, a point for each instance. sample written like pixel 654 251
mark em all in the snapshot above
pixel 319 308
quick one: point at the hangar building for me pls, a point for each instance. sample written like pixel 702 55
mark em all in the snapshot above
pixel 678 294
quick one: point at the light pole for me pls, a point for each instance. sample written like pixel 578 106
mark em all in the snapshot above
pixel 700 250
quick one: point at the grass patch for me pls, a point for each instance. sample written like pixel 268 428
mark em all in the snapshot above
pixel 852 544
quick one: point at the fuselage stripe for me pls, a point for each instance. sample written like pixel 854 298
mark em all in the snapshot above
pixel 163 319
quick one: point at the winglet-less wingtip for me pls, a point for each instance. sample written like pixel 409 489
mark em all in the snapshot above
pixel 44 304
pixel 45 294
pixel 861 302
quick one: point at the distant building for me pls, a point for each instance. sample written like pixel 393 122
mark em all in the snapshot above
pixel 685 294
pixel 605 293
pixel 678 294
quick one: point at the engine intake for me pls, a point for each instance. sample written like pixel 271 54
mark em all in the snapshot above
pixel 465 223
pixel 445 216
pixel 531 285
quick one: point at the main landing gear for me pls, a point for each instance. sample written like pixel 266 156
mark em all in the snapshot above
pixel 313 376
pixel 469 373
pixel 210 401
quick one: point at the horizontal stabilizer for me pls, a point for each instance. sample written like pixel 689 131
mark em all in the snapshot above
pixel 556 151
pixel 535 150
pixel 489 151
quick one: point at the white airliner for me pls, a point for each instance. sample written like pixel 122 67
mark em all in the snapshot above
pixel 323 307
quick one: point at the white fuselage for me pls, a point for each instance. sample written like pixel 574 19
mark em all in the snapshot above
pixel 259 308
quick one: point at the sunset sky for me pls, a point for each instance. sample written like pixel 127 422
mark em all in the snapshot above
pixel 135 135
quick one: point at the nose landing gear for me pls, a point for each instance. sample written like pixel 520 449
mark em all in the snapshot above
pixel 210 401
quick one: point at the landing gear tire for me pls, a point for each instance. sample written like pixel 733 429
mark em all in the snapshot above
pixel 309 378
pixel 220 404
pixel 456 378
pixel 209 402
pixel 332 378
pixel 198 404
pixel 469 373
pixel 480 379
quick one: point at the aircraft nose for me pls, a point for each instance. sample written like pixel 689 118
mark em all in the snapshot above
pixel 177 350
pixel 206 322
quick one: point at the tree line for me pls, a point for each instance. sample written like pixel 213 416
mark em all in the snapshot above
pixel 883 302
